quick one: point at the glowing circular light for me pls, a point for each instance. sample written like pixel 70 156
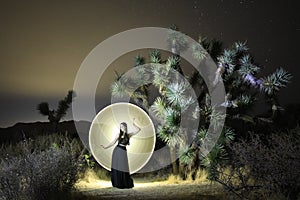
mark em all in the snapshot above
pixel 105 127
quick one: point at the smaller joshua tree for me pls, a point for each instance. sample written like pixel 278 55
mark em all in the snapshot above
pixel 54 116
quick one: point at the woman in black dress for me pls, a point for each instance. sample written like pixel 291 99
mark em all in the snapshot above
pixel 120 176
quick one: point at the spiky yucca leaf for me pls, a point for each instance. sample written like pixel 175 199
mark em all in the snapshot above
pixel 138 60
pixel 155 56
pixel 43 108
pixel 64 105
pixel 199 136
pixel 240 47
pixel 246 66
pixel 198 52
pixel 171 138
pixel 140 71
pixel 176 92
pixel 61 111
pixel 163 133
pixel 159 107
pixel 187 155
pixel 118 89
pixel 246 59
pixel 229 53
pixel 205 112
pixel 227 135
pixel 188 103
pixel 173 62
pixel 274 82
pixel 172 118
pixel 228 62
pixel 160 78
pixel 69 98
pixel 245 100
pixel 217 154
pixel 216 117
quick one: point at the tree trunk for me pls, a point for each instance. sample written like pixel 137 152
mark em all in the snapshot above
pixel 173 158
pixel 183 171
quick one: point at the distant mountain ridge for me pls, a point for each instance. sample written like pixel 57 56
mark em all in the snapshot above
pixel 22 131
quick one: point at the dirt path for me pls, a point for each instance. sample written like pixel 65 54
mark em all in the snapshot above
pixel 150 190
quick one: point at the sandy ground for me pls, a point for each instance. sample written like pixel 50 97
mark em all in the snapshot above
pixel 97 189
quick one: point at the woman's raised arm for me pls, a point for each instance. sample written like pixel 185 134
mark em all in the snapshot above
pixel 135 132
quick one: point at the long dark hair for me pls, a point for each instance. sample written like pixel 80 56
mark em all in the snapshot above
pixel 124 124
pixel 126 131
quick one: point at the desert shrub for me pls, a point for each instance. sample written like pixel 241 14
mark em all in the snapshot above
pixel 32 171
pixel 264 167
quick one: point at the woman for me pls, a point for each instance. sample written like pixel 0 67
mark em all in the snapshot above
pixel 120 176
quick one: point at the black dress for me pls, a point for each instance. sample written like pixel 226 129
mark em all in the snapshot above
pixel 120 176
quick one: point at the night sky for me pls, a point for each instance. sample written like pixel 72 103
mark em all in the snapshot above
pixel 44 42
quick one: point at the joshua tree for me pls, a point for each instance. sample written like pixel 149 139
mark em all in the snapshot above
pixel 54 116
pixel 237 71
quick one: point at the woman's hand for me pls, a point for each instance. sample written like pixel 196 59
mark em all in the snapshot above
pixel 133 121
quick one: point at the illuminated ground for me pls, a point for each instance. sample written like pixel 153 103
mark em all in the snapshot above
pixel 99 189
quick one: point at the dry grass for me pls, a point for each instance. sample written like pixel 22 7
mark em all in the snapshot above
pixel 200 177
pixel 173 179
pixel 89 176
pixel 151 190
pixel 172 187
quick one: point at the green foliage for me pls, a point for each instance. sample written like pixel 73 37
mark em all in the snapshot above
pixel 247 67
pixel 227 136
pixel 159 107
pixel 240 47
pixel 155 56
pixel 175 93
pixel 170 137
pixel 199 53
pixel 159 80
pixel 172 119
pixel 138 60
pixel 187 155
pixel 89 160
pixel 118 89
pixel 274 82
pixel 216 156
pixel 173 62
pixel 237 70
pixel 213 47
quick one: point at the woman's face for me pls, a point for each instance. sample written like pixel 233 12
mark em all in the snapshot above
pixel 123 128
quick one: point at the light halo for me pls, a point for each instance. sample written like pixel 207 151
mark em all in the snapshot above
pixel 105 126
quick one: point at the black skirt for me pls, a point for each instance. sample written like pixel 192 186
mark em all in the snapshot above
pixel 120 176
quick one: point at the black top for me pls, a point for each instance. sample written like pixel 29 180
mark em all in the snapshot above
pixel 123 139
